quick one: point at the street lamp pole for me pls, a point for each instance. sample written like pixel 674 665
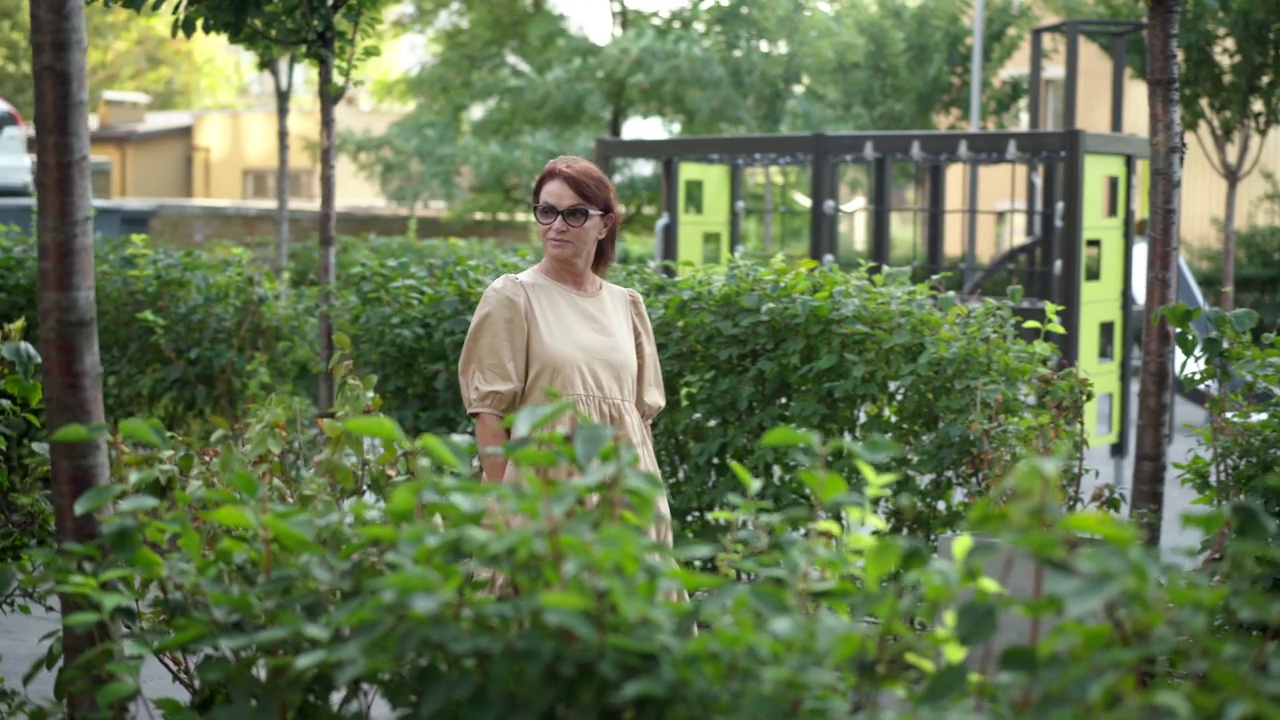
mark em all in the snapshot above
pixel 975 120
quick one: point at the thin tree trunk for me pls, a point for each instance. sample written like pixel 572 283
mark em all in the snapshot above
pixel 617 112
pixel 1156 380
pixel 766 230
pixel 283 80
pixel 328 228
pixel 68 310
pixel 1227 300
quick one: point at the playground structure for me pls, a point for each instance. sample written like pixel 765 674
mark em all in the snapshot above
pixel 1064 230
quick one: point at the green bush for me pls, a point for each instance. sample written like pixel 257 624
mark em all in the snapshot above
pixel 25 512
pixel 748 346
pixel 1238 454
pixel 188 335
pixel 183 334
pixel 1257 262
pixel 855 355
pixel 277 574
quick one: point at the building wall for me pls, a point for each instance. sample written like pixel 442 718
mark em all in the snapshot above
pixel 1203 194
pixel 229 147
pixel 113 154
pixel 159 167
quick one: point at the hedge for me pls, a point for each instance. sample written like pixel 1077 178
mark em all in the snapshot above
pixel 949 390
pixel 351 567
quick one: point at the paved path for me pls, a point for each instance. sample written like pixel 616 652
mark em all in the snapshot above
pixel 20 635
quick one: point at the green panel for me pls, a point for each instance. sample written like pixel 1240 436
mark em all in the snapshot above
pixel 1102 309
pixel 1100 339
pixel 703 213
pixel 1106 191
pixel 1102 256
pixel 1102 414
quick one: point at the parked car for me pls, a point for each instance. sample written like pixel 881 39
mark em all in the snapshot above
pixel 15 162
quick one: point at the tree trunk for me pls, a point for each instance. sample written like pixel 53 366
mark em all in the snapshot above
pixel 617 112
pixel 1156 379
pixel 1227 300
pixel 766 228
pixel 68 309
pixel 283 79
pixel 328 227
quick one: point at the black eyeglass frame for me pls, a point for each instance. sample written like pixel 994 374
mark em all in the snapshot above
pixel 589 213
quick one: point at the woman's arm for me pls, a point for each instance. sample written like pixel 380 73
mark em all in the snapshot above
pixel 490 437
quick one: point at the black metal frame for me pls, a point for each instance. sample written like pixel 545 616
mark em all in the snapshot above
pixel 1118 31
pixel 1061 153
pixel 1060 150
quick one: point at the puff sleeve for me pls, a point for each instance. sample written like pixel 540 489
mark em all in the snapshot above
pixel 493 362
pixel 651 395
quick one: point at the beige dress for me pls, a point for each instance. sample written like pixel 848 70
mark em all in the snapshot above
pixel 531 335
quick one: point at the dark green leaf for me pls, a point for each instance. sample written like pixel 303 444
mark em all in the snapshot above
pixel 95 498
pixel 142 431
pixel 374 426
pixel 976 622
pixel 944 685
pixel 589 440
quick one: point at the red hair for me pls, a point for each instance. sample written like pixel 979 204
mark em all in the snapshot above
pixel 588 182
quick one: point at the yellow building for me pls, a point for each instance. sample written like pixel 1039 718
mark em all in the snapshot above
pixel 1002 189
pixel 223 154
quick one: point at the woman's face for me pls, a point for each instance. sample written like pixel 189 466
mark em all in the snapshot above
pixel 561 241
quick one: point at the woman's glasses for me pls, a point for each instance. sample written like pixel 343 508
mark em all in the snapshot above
pixel 574 217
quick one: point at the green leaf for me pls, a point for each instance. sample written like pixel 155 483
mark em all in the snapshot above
pixel 287 533
pixel 95 498
pixel 375 426
pixel 116 691
pixel 944 684
pixel 960 547
pixel 1082 595
pixel 22 354
pixel 976 622
pixel 788 437
pixel 1103 525
pixel 245 483
pixel 233 516
pixel 442 452
pixel 141 431
pixel 824 484
pixel 535 417
pixel 1244 319
pixel 589 441
pixel 78 433
pixel 750 483
pixel 1019 659
pixel 137 503
pixel 82 619
pixel 881 559
pixel 563 600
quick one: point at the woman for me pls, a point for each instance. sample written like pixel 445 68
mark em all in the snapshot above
pixel 560 326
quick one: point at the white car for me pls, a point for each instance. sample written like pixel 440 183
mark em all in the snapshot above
pixel 15 162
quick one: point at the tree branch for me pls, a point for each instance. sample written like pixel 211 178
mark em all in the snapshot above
pixel 1208 155
pixel 351 54
pixel 1256 158
pixel 1242 151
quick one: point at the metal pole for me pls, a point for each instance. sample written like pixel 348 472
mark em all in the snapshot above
pixel 975 120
